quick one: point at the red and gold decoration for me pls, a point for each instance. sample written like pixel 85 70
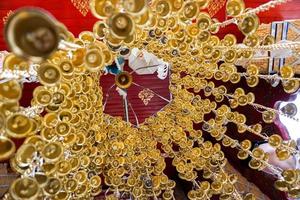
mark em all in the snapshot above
pixel 146 95
pixel 82 6
pixel 71 149
pixel 4 19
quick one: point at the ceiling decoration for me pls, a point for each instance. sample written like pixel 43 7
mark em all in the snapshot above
pixel 4 19
pixel 146 95
pixel 215 6
pixel 82 6
pixel 69 144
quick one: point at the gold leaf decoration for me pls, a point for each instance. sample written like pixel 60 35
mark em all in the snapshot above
pixel 82 6
pixel 4 19
pixel 146 95
pixel 214 6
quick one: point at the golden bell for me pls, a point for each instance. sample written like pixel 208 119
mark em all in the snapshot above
pixel 52 152
pixel 69 140
pixel 71 185
pixel 41 178
pixel 81 138
pixel 81 176
pixel 230 56
pixel 24 188
pixel 11 91
pixel 162 23
pixel 203 21
pixel 203 36
pixel 163 7
pixel 13 62
pixel 135 7
pixel 94 60
pixel 87 37
pixel 251 40
pixel 65 115
pixel 249 196
pixel 235 7
pixel 63 167
pixel 281 185
pixel 18 125
pixel 229 40
pixel 110 39
pixel 214 28
pixel 249 24
pixel 7 148
pixel 42 96
pixel 294 193
pixel 96 191
pixel 99 29
pixel 25 155
pixel 121 25
pixel 62 195
pixel 102 9
pixel 193 30
pixel 78 57
pixel 53 186
pixel 190 10
pixel 143 19
pixel 242 155
pixel 123 80
pixel 252 81
pixel 63 32
pixel 32 34
pixel 36 140
pixel 176 5
pixel 62 129
pixel 254 164
pixel 290 86
pixel 268 40
pixel 15 167
pixel 48 168
pixel 49 74
pixel 81 190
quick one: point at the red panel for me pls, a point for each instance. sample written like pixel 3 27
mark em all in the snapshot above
pixel 114 104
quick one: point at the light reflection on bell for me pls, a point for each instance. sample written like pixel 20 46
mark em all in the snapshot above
pixel 190 10
pixel 121 25
pixel 249 24
pixel 135 7
pixel 268 40
pixel 123 80
pixel 7 148
pixel 32 34
pixel 163 8
pixel 235 7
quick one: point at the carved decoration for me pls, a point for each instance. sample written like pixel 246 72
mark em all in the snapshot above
pixel 214 6
pixel 4 19
pixel 82 6
pixel 146 95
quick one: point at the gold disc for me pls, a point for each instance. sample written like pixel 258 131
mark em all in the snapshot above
pixel 18 125
pixel 24 188
pixel 31 33
pixel 49 74
pixel 7 148
pixel 52 152
pixel 123 80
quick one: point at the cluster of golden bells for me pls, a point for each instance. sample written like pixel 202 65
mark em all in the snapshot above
pixel 72 149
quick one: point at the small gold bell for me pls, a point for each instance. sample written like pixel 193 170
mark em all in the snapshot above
pixel 121 25
pixel 123 80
